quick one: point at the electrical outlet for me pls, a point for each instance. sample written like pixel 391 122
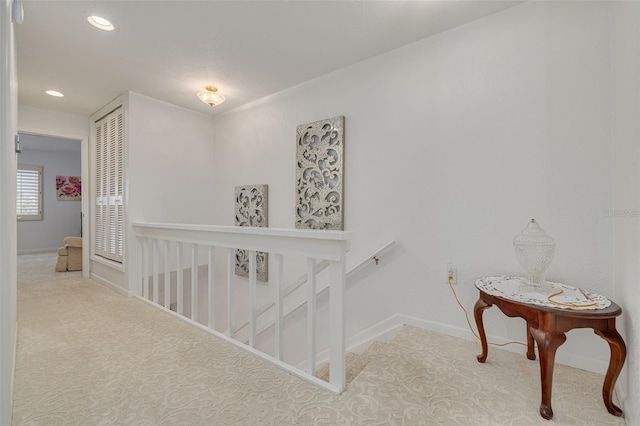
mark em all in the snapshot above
pixel 452 276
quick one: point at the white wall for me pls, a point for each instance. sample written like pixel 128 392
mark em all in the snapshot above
pixel 170 163
pixel 168 158
pixel 453 144
pixel 171 171
pixel 626 191
pixel 52 123
pixel 60 218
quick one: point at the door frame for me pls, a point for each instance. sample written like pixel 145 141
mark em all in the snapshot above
pixel 84 175
pixel 8 217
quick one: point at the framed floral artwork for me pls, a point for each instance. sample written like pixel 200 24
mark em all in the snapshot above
pixel 68 188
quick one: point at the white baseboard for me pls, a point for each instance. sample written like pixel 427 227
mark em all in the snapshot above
pixel 438 327
pixel 569 359
pixel 382 331
pixel 388 327
pixel 358 343
pixel 112 286
pixel 618 390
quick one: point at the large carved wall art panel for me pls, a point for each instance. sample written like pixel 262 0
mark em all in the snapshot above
pixel 251 210
pixel 319 174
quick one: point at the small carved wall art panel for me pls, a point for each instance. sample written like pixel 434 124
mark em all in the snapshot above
pixel 319 174
pixel 251 210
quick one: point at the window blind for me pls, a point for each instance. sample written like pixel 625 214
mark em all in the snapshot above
pixel 29 192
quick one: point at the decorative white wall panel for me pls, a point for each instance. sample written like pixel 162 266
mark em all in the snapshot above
pixel 319 174
pixel 251 210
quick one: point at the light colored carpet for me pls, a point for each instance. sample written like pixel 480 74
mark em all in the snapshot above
pixel 88 356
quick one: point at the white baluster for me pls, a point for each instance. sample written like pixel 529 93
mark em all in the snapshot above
pixel 194 282
pixel 278 274
pixel 311 316
pixel 212 288
pixel 252 298
pixel 145 268
pixel 180 278
pixel 139 269
pixel 231 264
pixel 167 274
pixel 154 265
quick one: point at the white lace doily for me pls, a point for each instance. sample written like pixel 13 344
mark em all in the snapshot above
pixel 516 289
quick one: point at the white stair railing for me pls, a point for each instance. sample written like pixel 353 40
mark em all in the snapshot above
pixel 320 266
pixel 156 256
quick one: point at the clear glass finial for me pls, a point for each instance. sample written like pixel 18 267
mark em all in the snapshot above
pixel 534 250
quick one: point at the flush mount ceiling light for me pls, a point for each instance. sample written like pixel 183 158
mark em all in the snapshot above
pixel 211 96
pixel 54 93
pixel 100 22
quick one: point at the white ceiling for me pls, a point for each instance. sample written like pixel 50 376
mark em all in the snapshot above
pixel 170 50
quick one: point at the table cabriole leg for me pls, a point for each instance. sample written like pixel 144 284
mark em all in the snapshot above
pixel 478 309
pixel 618 355
pixel 547 345
pixel 531 353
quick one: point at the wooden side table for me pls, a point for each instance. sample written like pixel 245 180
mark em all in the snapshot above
pixel 547 326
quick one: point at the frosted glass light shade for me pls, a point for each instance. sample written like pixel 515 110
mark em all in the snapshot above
pixel 211 96
pixel 534 250
pixel 100 22
pixel 54 93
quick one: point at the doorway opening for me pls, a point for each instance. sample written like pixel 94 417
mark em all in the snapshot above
pixel 59 205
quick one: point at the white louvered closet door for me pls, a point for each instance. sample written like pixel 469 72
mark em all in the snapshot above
pixel 109 213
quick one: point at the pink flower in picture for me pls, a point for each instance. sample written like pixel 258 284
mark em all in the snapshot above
pixel 68 188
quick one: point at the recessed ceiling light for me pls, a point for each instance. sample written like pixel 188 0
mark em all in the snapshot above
pixel 54 93
pixel 100 22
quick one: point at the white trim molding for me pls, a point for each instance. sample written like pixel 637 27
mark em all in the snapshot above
pixel 8 223
pixel 386 329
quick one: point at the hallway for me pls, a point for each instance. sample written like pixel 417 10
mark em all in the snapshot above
pixel 88 356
